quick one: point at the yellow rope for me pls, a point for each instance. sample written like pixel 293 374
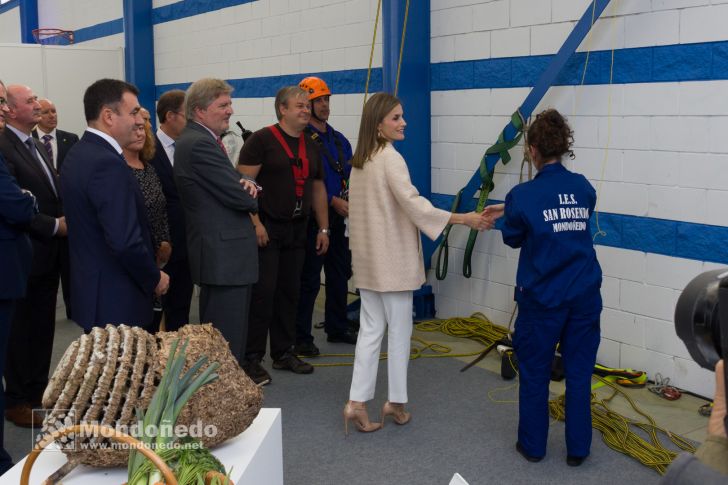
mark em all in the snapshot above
pixel 477 327
pixel 586 61
pixel 401 46
pixel 599 231
pixel 618 431
pixel 401 49
pixel 371 53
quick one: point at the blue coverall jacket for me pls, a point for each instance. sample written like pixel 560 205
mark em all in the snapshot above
pixel 559 302
pixel 548 218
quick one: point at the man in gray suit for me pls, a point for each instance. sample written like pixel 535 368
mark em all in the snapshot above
pixel 217 202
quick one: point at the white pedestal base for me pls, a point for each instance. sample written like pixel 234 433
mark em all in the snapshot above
pixel 255 456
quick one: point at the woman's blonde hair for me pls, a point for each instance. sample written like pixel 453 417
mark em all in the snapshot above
pixel 370 141
pixel 150 144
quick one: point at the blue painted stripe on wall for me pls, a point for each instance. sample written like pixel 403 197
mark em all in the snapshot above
pixel 167 13
pixel 9 6
pixel 680 239
pixel 350 81
pixel 104 29
pixel 671 63
pixel 685 62
pixel 190 8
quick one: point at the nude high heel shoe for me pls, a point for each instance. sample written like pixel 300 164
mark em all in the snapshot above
pixel 399 415
pixel 357 412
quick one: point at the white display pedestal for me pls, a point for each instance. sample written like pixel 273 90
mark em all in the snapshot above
pixel 253 457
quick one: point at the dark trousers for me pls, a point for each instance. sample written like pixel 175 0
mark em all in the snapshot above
pixel 537 332
pixel 275 295
pixel 176 303
pixel 6 314
pixel 31 341
pixel 66 277
pixel 227 308
pixel 337 269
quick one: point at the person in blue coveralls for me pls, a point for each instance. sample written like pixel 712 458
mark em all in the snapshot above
pixel 557 288
pixel 336 154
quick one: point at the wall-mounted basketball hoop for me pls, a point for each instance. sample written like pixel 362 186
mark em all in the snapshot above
pixel 53 36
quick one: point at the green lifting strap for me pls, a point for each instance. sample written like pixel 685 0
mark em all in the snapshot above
pixel 502 148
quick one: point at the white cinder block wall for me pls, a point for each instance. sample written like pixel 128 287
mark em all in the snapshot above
pixel 652 149
pixel 664 159
pixel 268 38
pixel 10 26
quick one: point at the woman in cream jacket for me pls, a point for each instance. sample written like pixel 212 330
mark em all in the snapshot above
pixel 386 215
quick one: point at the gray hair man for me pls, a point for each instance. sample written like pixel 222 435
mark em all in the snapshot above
pixel 217 204
pixel 31 336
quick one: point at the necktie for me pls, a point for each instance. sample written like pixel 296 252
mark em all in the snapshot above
pixel 36 156
pixel 222 146
pixel 47 144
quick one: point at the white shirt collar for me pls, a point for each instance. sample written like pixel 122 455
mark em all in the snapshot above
pixel 21 135
pixel 42 132
pixel 211 132
pixel 166 140
pixel 106 137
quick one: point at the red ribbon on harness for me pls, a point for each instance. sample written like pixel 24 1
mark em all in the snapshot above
pixel 298 165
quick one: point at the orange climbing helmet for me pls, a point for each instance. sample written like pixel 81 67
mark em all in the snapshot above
pixel 315 87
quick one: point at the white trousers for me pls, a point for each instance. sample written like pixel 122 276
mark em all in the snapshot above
pixel 379 310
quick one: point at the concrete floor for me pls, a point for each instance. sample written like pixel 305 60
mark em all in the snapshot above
pixel 679 416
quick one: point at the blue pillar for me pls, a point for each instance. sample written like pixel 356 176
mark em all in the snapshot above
pixel 28 20
pixel 414 87
pixel 139 52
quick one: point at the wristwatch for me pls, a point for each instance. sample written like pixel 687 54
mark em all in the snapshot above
pixel 325 231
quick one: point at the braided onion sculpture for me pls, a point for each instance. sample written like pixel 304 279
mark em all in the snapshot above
pixel 104 375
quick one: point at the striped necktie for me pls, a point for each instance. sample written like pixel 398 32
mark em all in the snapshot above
pixel 36 156
pixel 49 148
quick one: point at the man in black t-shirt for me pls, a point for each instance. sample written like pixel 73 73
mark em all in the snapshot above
pixel 286 164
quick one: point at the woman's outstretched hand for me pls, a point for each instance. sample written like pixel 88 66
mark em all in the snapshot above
pixel 494 211
pixel 478 220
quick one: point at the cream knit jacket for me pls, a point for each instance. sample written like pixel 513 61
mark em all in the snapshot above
pixel 386 215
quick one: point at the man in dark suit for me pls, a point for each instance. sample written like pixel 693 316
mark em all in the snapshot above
pixel 114 276
pixel 217 202
pixel 56 143
pixel 17 209
pixel 31 336
pixel 176 302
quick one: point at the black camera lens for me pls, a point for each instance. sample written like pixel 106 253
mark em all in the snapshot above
pixel 698 317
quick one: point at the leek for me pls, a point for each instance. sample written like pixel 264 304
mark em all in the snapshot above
pixel 167 402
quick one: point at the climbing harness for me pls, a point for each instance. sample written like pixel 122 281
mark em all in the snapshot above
pixel 299 166
pixel 483 178
pixel 662 388
pixel 500 149
pixel 623 377
pixel 337 165
pixel 706 409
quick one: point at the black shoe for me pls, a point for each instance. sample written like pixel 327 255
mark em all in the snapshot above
pixel 257 373
pixel 575 460
pixel 522 451
pixel 306 349
pixel 344 338
pixel 292 363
